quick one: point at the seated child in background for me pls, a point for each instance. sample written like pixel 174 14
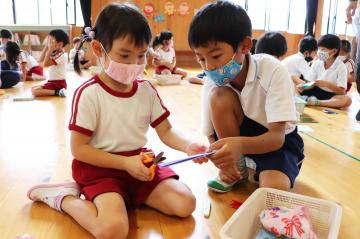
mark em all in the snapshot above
pixel 54 57
pixel 5 36
pixel 330 76
pixel 10 74
pixel 298 64
pixel 248 106
pixel 84 64
pixel 344 55
pixel 31 70
pixel 272 43
pixel 166 62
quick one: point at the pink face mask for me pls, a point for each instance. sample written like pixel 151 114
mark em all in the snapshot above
pixel 123 73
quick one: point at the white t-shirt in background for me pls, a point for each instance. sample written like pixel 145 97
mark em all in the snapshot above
pixel 297 65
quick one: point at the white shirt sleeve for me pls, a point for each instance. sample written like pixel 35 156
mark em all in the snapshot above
pixel 314 75
pixel 304 69
pixel 280 102
pixel 342 76
pixel 61 60
pixel 206 123
pixel 22 58
pixel 158 110
pixel 84 114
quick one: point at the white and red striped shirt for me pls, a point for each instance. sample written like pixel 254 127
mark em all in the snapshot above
pixel 116 121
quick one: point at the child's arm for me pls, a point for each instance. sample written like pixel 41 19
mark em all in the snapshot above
pixel 230 149
pixel 46 60
pixel 334 88
pixel 24 71
pixel 351 77
pixel 83 151
pixel 175 140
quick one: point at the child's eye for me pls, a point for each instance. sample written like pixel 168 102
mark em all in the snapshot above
pixel 124 56
pixel 217 56
pixel 141 56
pixel 201 59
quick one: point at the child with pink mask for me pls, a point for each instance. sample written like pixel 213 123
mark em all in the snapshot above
pixel 111 114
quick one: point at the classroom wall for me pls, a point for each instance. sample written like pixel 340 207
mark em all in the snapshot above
pixel 179 24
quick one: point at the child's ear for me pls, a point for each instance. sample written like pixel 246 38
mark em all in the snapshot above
pixel 96 48
pixel 246 45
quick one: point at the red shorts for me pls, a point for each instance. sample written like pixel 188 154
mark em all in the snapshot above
pixel 54 85
pixel 159 69
pixel 38 70
pixel 94 181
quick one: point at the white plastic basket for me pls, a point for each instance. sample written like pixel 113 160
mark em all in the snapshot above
pixel 172 79
pixel 245 222
pixel 300 105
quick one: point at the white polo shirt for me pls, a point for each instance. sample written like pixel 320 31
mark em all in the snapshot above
pixel 116 121
pixel 267 97
pixel 28 59
pixel 167 56
pixel 72 54
pixel 58 70
pixel 336 73
pixel 297 65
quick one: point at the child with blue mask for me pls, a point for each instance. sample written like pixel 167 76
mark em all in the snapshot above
pixel 248 109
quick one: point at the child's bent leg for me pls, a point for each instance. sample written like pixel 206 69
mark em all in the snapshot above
pixel 181 72
pixel 166 72
pixel 337 102
pixel 105 218
pixel 274 179
pixel 172 198
pixel 38 91
pixel 225 107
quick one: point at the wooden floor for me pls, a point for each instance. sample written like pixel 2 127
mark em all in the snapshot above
pixel 34 148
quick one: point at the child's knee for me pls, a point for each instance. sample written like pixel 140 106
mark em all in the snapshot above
pixel 347 101
pixel 112 229
pixel 185 203
pixel 222 96
pixel 274 179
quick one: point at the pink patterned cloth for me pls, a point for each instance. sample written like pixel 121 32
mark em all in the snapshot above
pixel 292 223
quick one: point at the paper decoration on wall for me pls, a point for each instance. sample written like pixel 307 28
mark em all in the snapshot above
pixel 148 9
pixel 169 8
pixel 159 17
pixel 183 9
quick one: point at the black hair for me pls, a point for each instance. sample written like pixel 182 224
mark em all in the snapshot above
pixel 272 43
pixel 60 36
pixel 345 46
pixel 5 33
pixel 330 41
pixel 76 40
pixel 160 38
pixel 308 43
pixel 118 20
pixel 220 21
pixel 254 41
pixel 12 51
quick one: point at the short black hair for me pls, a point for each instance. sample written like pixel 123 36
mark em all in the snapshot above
pixel 118 20
pixel 220 21
pixel 254 41
pixel 272 43
pixel 345 46
pixel 308 43
pixel 330 41
pixel 60 36
pixel 5 33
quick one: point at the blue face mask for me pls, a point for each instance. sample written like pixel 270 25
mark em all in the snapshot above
pixel 224 74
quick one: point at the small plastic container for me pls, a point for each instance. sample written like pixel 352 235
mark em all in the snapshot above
pixel 300 105
pixel 245 222
pixel 172 79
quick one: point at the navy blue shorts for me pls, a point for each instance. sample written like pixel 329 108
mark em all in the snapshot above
pixel 319 93
pixel 287 159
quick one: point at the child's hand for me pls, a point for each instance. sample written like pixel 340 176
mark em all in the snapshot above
pixel 228 152
pixel 136 168
pixel 51 44
pixel 195 148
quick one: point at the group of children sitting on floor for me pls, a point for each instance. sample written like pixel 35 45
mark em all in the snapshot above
pixel 325 63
